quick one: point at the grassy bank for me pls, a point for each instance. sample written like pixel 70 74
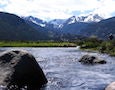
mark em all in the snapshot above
pixel 99 45
pixel 35 44
pixel 87 44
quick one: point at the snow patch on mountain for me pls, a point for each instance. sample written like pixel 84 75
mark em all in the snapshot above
pixel 71 20
pixel 90 18
pixel 36 21
pixel 59 23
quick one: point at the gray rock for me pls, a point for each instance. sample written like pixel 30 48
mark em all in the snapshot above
pixel 111 86
pixel 19 69
pixel 88 59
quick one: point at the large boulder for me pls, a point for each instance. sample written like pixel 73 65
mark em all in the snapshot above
pixel 89 59
pixel 111 86
pixel 19 69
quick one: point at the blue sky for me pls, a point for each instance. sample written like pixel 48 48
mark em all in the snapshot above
pixel 58 9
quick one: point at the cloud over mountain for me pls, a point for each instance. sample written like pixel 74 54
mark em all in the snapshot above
pixel 51 9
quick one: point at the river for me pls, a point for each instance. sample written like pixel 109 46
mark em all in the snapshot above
pixel 64 72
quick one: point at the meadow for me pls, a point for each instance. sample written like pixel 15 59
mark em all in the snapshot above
pixel 95 44
pixel 35 44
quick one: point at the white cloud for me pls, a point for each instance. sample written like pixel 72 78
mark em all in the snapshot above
pixel 50 9
pixel 4 2
pixel 106 8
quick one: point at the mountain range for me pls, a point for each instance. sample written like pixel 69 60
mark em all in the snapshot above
pixel 13 27
pixel 59 23
pixel 87 26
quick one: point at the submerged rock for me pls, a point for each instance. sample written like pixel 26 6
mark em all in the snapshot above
pixel 111 86
pixel 88 59
pixel 20 69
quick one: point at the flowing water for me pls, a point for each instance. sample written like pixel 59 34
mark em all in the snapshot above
pixel 64 72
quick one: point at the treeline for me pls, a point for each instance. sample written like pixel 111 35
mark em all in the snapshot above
pixel 93 43
pixel 102 46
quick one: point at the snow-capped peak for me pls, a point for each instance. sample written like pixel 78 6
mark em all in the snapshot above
pixel 59 23
pixel 71 20
pixel 93 18
pixel 36 21
pixel 89 18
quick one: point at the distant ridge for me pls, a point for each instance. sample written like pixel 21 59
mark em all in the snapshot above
pixel 90 25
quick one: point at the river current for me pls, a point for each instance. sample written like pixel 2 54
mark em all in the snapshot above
pixel 64 72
